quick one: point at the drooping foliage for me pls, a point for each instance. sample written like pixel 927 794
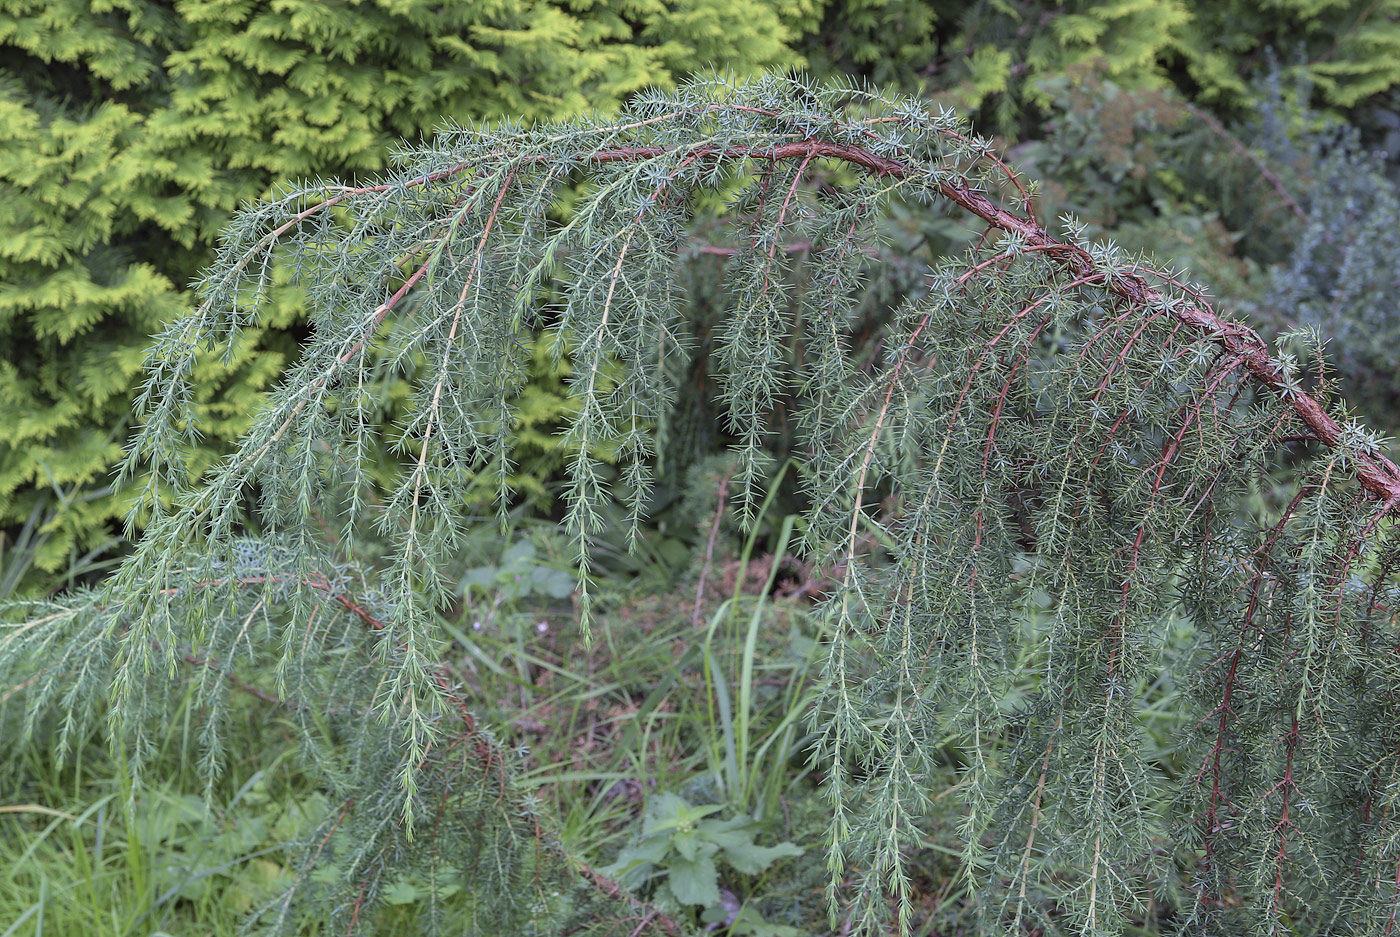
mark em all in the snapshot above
pixel 1285 214
pixel 132 130
pixel 1058 452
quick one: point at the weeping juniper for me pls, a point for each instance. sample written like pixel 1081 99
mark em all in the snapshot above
pixel 1053 432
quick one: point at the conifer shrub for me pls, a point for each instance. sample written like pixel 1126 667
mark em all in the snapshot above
pixel 1057 455
pixel 996 54
pixel 133 129
pixel 1347 49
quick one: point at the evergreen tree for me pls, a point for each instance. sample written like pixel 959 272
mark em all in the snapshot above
pixel 1071 451
pixel 132 129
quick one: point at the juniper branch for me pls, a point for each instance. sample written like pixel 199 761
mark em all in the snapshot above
pixel 1071 450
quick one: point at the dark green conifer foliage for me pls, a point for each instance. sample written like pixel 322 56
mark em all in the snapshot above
pixel 995 54
pixel 1063 449
pixel 130 130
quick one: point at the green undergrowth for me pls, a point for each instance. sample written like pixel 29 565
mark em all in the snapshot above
pixel 81 857
pixel 672 752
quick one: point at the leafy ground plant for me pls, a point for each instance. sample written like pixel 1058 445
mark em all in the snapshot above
pixel 973 474
pixel 682 846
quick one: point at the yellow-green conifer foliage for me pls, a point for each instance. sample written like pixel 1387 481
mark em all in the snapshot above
pixel 1349 49
pixel 129 130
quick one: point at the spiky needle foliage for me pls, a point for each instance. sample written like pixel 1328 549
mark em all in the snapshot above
pixel 1052 423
